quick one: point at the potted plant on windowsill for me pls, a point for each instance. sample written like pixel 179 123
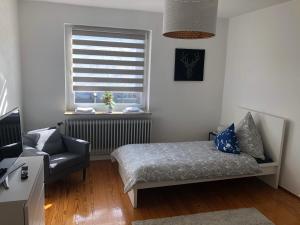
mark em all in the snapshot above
pixel 108 100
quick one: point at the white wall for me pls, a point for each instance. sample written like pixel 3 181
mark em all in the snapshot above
pixel 181 111
pixel 10 92
pixel 263 73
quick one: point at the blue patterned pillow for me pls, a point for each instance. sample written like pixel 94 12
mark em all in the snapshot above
pixel 227 142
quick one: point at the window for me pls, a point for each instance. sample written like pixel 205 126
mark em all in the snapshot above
pixel 106 59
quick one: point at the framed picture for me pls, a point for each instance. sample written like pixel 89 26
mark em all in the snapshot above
pixel 189 64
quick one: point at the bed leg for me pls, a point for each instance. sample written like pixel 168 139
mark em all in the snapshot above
pixel 271 180
pixel 133 194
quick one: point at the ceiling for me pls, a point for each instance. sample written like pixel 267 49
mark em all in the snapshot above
pixel 227 8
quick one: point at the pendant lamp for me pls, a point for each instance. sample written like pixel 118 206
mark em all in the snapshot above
pixel 190 19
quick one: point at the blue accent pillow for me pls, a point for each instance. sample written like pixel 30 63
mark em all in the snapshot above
pixel 227 141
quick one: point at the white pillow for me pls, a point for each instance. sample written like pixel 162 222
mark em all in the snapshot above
pixel 249 138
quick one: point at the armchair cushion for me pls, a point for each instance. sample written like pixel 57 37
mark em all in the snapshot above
pixel 49 140
pixel 63 161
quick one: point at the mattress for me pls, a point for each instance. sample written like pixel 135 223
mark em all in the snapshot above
pixel 161 162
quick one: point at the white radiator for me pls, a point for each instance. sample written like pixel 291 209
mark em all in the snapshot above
pixel 105 135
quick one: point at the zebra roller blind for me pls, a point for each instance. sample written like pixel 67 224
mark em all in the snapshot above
pixel 107 59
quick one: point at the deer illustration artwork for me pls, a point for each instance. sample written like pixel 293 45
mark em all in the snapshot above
pixel 190 63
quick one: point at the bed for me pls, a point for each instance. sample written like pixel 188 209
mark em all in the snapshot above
pixel 144 166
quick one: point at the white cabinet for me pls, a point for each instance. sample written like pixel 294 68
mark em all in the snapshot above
pixel 23 202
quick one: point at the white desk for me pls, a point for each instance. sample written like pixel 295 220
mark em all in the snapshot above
pixel 23 202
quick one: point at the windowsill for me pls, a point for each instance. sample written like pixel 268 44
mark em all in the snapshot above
pixel 105 114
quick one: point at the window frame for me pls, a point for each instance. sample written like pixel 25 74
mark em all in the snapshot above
pixel 70 104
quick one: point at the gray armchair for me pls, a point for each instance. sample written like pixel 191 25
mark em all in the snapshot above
pixel 62 155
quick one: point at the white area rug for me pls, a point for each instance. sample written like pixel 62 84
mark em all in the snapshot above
pixel 249 216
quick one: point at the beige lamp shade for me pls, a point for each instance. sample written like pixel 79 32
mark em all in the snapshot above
pixel 190 19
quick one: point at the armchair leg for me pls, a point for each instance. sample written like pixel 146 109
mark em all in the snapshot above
pixel 84 174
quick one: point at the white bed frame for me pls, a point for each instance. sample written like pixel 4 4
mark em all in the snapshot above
pixel 272 129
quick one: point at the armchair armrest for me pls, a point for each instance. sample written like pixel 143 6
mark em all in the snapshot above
pixel 78 146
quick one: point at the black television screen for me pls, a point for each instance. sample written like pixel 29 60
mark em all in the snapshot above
pixel 10 141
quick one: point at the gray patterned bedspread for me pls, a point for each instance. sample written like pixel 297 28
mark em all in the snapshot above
pixel 142 163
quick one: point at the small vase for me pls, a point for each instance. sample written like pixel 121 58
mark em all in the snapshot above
pixel 110 109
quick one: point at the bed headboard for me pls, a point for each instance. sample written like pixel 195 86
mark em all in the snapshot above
pixel 271 128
